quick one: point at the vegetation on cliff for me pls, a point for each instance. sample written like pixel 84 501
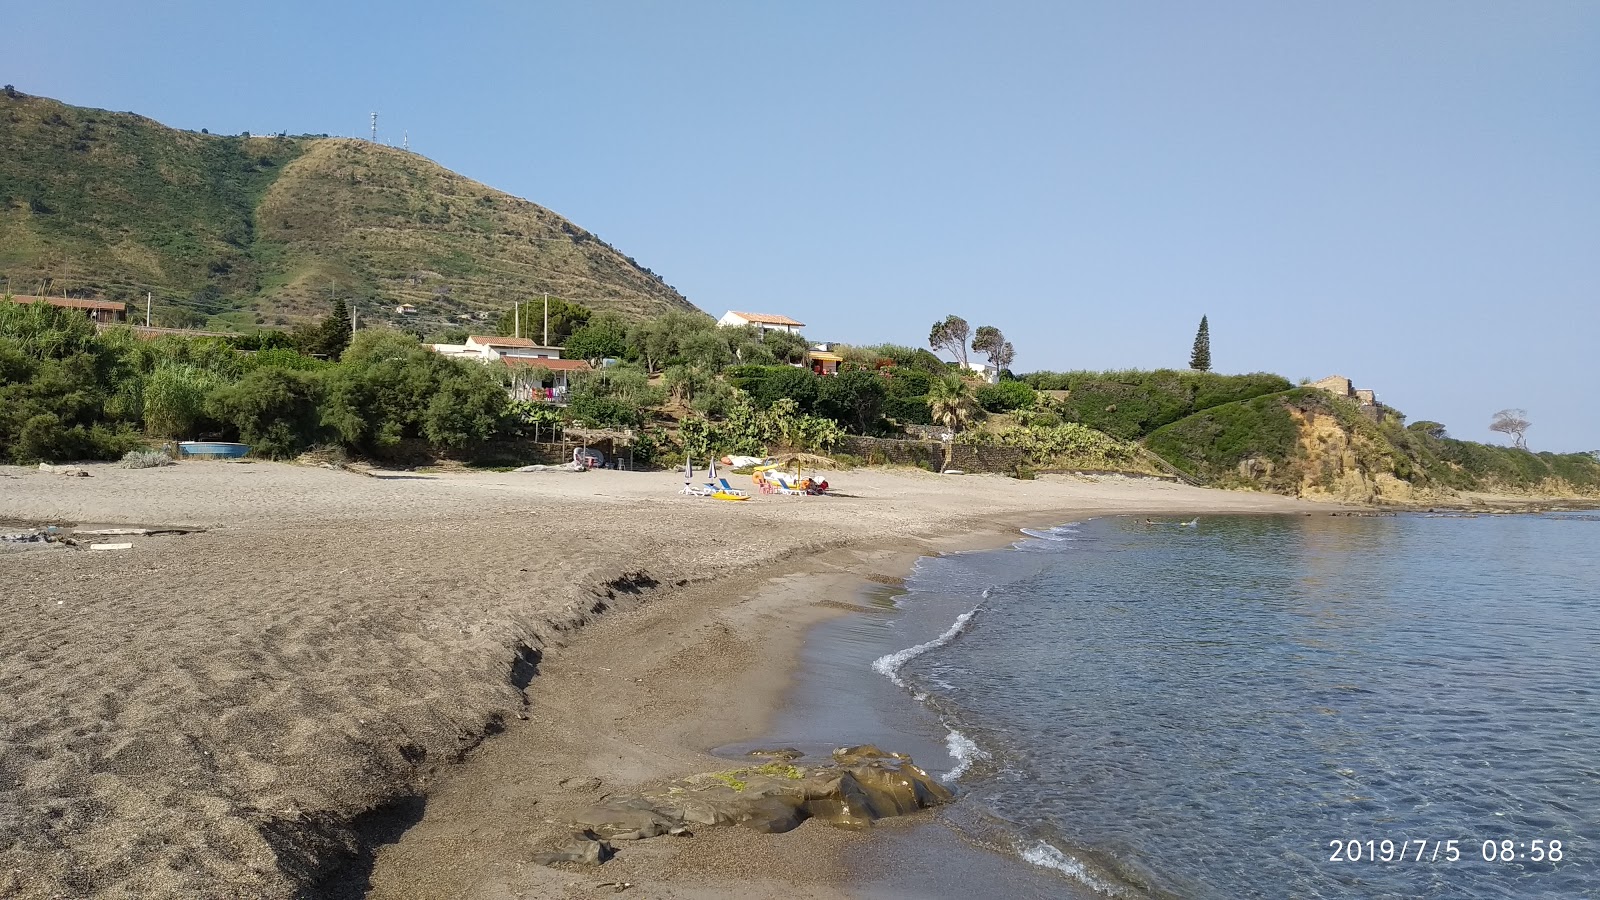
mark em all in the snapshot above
pixel 246 231
pixel 1308 442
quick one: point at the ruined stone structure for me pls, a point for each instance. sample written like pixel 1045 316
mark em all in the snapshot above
pixel 1340 386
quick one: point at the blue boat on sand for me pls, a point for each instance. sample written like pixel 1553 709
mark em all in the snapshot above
pixel 212 449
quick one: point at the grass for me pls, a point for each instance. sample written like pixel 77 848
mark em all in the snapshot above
pixel 113 205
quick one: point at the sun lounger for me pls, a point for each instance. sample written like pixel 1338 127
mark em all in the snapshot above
pixel 727 488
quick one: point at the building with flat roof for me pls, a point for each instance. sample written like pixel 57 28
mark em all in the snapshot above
pixel 104 312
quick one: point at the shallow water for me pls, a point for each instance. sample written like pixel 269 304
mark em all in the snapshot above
pixel 1199 712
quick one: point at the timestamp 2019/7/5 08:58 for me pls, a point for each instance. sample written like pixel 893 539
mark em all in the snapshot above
pixel 1387 850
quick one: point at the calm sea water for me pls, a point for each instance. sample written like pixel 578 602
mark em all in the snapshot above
pixel 1154 710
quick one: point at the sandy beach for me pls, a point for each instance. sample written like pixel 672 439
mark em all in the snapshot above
pixel 393 685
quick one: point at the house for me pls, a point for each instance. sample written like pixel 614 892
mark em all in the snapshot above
pixel 985 371
pixel 405 309
pixel 524 358
pixel 822 359
pixel 762 321
pixel 496 347
pixel 103 312
pixel 551 389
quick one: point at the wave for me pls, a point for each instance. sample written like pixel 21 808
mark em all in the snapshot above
pixel 964 751
pixel 1058 533
pixel 890 665
pixel 1048 856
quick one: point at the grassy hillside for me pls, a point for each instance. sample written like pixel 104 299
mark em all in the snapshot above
pixel 1130 404
pixel 254 230
pixel 1309 443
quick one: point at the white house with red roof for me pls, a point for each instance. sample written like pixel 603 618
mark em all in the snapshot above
pixel 764 322
pixel 523 357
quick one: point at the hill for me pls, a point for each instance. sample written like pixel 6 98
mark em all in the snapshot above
pixel 1306 442
pixel 251 231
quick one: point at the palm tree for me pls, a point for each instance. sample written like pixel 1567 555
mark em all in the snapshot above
pixel 950 398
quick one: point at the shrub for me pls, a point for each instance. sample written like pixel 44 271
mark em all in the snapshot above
pixel 175 400
pixel 1005 396
pixel 604 412
pixel 908 410
pixel 144 459
pixel 853 399
pixel 275 411
pixel 467 406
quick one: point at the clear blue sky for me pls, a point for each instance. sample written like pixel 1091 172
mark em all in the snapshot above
pixel 1404 193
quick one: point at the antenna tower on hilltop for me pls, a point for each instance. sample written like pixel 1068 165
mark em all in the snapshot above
pixel 405 141
pixel 374 127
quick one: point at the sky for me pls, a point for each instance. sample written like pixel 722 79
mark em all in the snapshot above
pixel 1407 194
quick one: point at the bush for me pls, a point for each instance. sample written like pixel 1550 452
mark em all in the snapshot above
pixel 1005 396
pixel 604 412
pixel 275 411
pixel 175 401
pixel 853 399
pixel 908 410
pixel 144 459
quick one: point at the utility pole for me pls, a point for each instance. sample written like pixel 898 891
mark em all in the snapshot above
pixel 547 320
pixel 516 317
pixel 148 303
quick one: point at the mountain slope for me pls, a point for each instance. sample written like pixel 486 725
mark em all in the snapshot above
pixel 261 230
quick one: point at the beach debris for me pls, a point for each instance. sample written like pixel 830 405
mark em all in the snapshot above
pixel 783 753
pixel 124 546
pixel 25 537
pixel 139 532
pixel 564 467
pixel 857 788
pixel 584 848
pixel 71 471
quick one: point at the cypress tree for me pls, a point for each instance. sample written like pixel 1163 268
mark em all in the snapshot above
pixel 1200 357
pixel 336 331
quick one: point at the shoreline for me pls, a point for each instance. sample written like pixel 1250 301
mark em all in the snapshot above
pixel 251 709
pixel 446 853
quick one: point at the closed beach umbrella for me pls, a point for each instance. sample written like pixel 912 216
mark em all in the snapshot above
pixel 688 467
pixel 711 469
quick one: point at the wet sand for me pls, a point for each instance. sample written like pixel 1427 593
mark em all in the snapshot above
pixel 249 711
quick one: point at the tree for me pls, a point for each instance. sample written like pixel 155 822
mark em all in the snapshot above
pixel 951 402
pixel 991 343
pixel 1200 356
pixel 333 336
pixel 565 318
pixel 951 336
pixel 1513 422
pixel 604 338
pixel 1004 358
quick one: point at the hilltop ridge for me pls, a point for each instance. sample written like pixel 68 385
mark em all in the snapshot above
pixel 248 230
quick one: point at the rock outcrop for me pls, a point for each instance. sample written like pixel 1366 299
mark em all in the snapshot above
pixel 862 785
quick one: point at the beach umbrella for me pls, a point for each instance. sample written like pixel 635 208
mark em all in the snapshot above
pixel 805 459
pixel 711 470
pixel 688 467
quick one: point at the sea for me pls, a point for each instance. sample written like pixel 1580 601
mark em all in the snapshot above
pixel 1308 706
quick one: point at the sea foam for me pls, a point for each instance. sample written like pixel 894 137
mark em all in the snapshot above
pixel 1048 856
pixel 889 666
pixel 964 751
